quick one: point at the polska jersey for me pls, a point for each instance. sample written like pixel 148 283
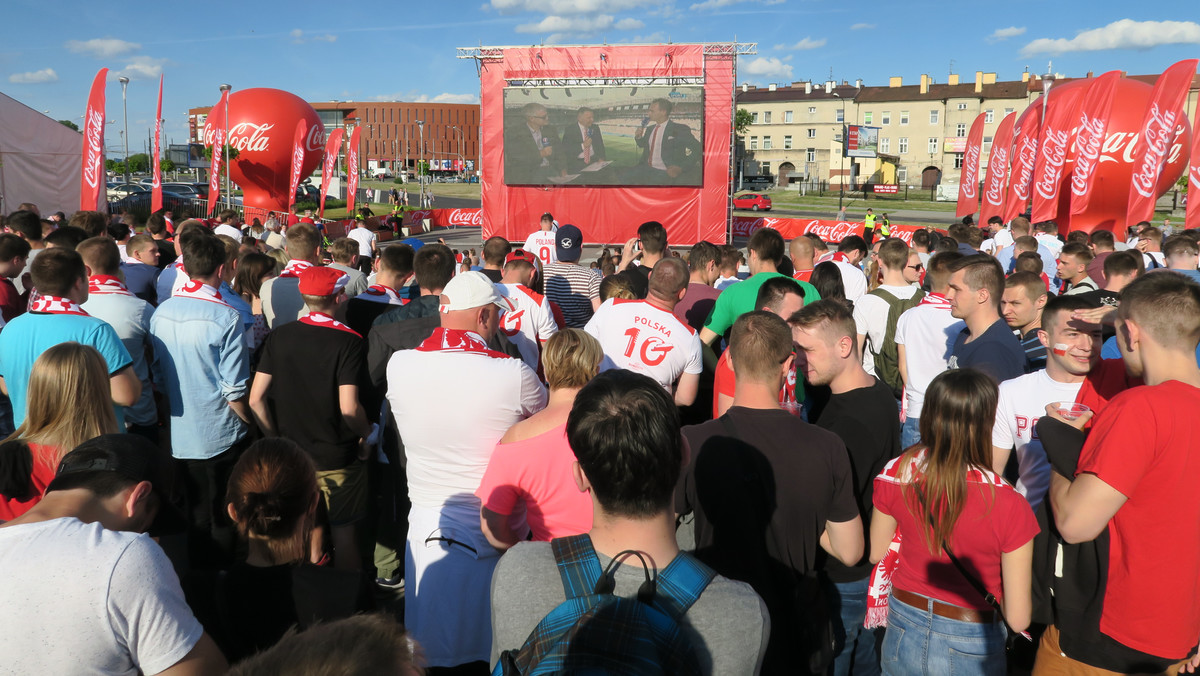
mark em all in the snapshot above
pixel 527 321
pixel 544 246
pixel 639 337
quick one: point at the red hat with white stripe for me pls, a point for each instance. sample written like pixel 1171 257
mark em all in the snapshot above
pixel 322 281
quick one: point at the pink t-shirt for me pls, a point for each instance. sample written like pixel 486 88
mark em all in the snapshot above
pixel 537 472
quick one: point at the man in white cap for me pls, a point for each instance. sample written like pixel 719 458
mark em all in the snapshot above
pixel 448 442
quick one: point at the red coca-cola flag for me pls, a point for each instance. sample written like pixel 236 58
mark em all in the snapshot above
pixel 218 149
pixel 1024 155
pixel 329 166
pixel 1092 126
pixel 156 186
pixel 352 171
pixel 93 188
pixel 297 161
pixel 997 170
pixel 1052 154
pixel 1162 120
pixel 968 184
pixel 1192 219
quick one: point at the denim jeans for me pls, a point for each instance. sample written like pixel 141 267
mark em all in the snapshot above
pixel 918 642
pixel 857 648
pixel 910 432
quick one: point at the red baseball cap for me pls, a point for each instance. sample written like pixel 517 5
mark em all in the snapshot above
pixel 322 281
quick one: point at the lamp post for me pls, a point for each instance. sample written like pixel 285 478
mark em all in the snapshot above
pixel 228 198
pixel 421 161
pixel 462 160
pixel 125 134
pixel 1047 83
pixel 842 182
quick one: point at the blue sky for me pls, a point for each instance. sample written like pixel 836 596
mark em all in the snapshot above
pixel 406 50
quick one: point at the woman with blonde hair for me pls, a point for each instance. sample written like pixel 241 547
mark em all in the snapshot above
pixel 963 527
pixel 531 465
pixel 68 403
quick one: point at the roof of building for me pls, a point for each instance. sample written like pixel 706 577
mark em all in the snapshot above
pixel 795 93
pixel 1014 89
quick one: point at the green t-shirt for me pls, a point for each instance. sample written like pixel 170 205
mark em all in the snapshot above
pixel 738 299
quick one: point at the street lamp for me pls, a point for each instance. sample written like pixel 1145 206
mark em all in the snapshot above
pixel 462 160
pixel 421 161
pixel 1047 83
pixel 125 134
pixel 842 182
pixel 228 198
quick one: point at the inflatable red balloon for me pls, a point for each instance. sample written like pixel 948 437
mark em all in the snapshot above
pixel 1110 196
pixel 262 126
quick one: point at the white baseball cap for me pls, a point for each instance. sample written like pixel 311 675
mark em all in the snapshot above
pixel 469 290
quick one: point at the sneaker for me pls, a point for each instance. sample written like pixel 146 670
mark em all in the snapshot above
pixel 394 582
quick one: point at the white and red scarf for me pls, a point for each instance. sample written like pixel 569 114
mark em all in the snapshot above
pixel 201 291
pixel 937 299
pixel 835 257
pixel 99 285
pixel 457 340
pixel 56 305
pixel 378 293
pixel 294 268
pixel 323 320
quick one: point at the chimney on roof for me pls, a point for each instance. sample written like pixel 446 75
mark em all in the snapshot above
pixel 807 87
pixel 924 83
pixel 895 81
pixel 858 83
pixel 771 87
pixel 952 79
pixel 979 82
pixel 829 85
pixel 1025 76
pixel 745 87
pixel 989 78
pixel 1090 73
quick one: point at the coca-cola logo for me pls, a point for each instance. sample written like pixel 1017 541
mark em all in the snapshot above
pixel 970 180
pixel 1194 176
pixel 157 180
pixel 247 136
pixel 1159 130
pixel 997 170
pixel 471 218
pixel 1088 142
pixel 1026 157
pixel 831 231
pixel 297 163
pixel 1054 155
pixel 94 128
pixel 315 140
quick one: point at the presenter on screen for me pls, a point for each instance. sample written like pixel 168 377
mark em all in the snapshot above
pixel 670 153
pixel 582 143
pixel 530 147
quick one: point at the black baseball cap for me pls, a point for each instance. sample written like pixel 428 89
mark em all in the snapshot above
pixel 134 458
pixel 569 242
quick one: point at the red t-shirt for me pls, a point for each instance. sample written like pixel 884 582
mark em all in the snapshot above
pixel 11 302
pixel 43 473
pixel 724 381
pixel 1144 446
pixel 995 519
pixel 803 275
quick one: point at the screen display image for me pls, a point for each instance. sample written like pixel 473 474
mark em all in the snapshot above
pixel 586 136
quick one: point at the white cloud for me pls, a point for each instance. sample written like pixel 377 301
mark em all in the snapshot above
pixel 806 43
pixel 656 36
pixel 561 7
pixel 862 26
pixel 414 97
pixel 1006 33
pixel 102 48
pixel 628 24
pixel 299 37
pixel 715 4
pixel 764 67
pixel 576 24
pixel 1123 34
pixel 34 77
pixel 139 68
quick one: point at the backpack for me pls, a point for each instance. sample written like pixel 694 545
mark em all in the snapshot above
pixel 887 359
pixel 595 631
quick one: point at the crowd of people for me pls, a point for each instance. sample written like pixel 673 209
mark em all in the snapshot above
pixel 238 444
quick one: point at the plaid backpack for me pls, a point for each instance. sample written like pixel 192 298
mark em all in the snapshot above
pixel 597 632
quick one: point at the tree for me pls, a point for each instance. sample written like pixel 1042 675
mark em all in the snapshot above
pixel 139 163
pixel 166 165
pixel 742 121
pixel 69 124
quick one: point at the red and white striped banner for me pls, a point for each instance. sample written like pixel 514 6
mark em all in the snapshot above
pixel 1023 156
pixel 329 165
pixel 1163 119
pixel 997 170
pixel 156 159
pixel 968 184
pixel 1052 153
pixel 1092 123
pixel 297 162
pixel 93 188
pixel 352 171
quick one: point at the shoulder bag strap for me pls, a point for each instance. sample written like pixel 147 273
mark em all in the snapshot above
pixel 578 565
pixel 681 583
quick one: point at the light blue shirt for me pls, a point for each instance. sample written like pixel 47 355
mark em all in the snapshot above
pixel 130 318
pixel 1049 262
pixel 204 363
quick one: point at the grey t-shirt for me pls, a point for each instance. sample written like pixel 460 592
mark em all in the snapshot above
pixel 728 624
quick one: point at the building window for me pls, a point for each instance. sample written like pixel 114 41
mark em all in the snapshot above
pixel 812 109
pixel 901 175
pixel 987 144
pixel 1008 111
pixel 933 145
pixel 960 129
pixel 812 133
pixel 903 145
pixel 989 116
pixel 840 115
pixel 766 169
pixel 787 142
pixel 962 106
pixel 885 118
pixel 767 117
pixel 934 115
pixel 867 117
pixel 766 143
pixel 787 116
pixel 753 143
pixel 754 118
pixel 903 118
pixel 958 160
pixel 810 155
pixel 885 145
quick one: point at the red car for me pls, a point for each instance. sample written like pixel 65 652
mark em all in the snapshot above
pixel 752 201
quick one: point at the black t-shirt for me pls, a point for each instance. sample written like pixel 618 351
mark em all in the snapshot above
pixel 996 352
pixel 307 364
pixel 166 253
pixel 639 279
pixel 867 421
pixel 493 275
pixel 361 314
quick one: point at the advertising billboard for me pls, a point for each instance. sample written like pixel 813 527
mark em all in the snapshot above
pixel 862 141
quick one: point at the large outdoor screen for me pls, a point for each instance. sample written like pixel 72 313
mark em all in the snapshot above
pixel 587 136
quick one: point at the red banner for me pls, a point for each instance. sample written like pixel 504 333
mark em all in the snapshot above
pixel 968 184
pixel 450 218
pixel 297 162
pixel 332 147
pixel 218 152
pixel 156 162
pixel 1159 126
pixel 1092 125
pixel 1052 153
pixel 352 171
pixel 1023 156
pixel 829 231
pixel 885 189
pixel 997 170
pixel 1192 219
pixel 93 188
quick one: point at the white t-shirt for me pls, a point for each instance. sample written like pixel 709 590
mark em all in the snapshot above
pixel 364 237
pixel 1001 239
pixel 723 282
pixel 639 337
pixel 1149 259
pixel 227 229
pixel 870 318
pixel 853 279
pixel 528 322
pixel 927 333
pixel 544 246
pixel 1051 242
pixel 79 599
pixel 1022 401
